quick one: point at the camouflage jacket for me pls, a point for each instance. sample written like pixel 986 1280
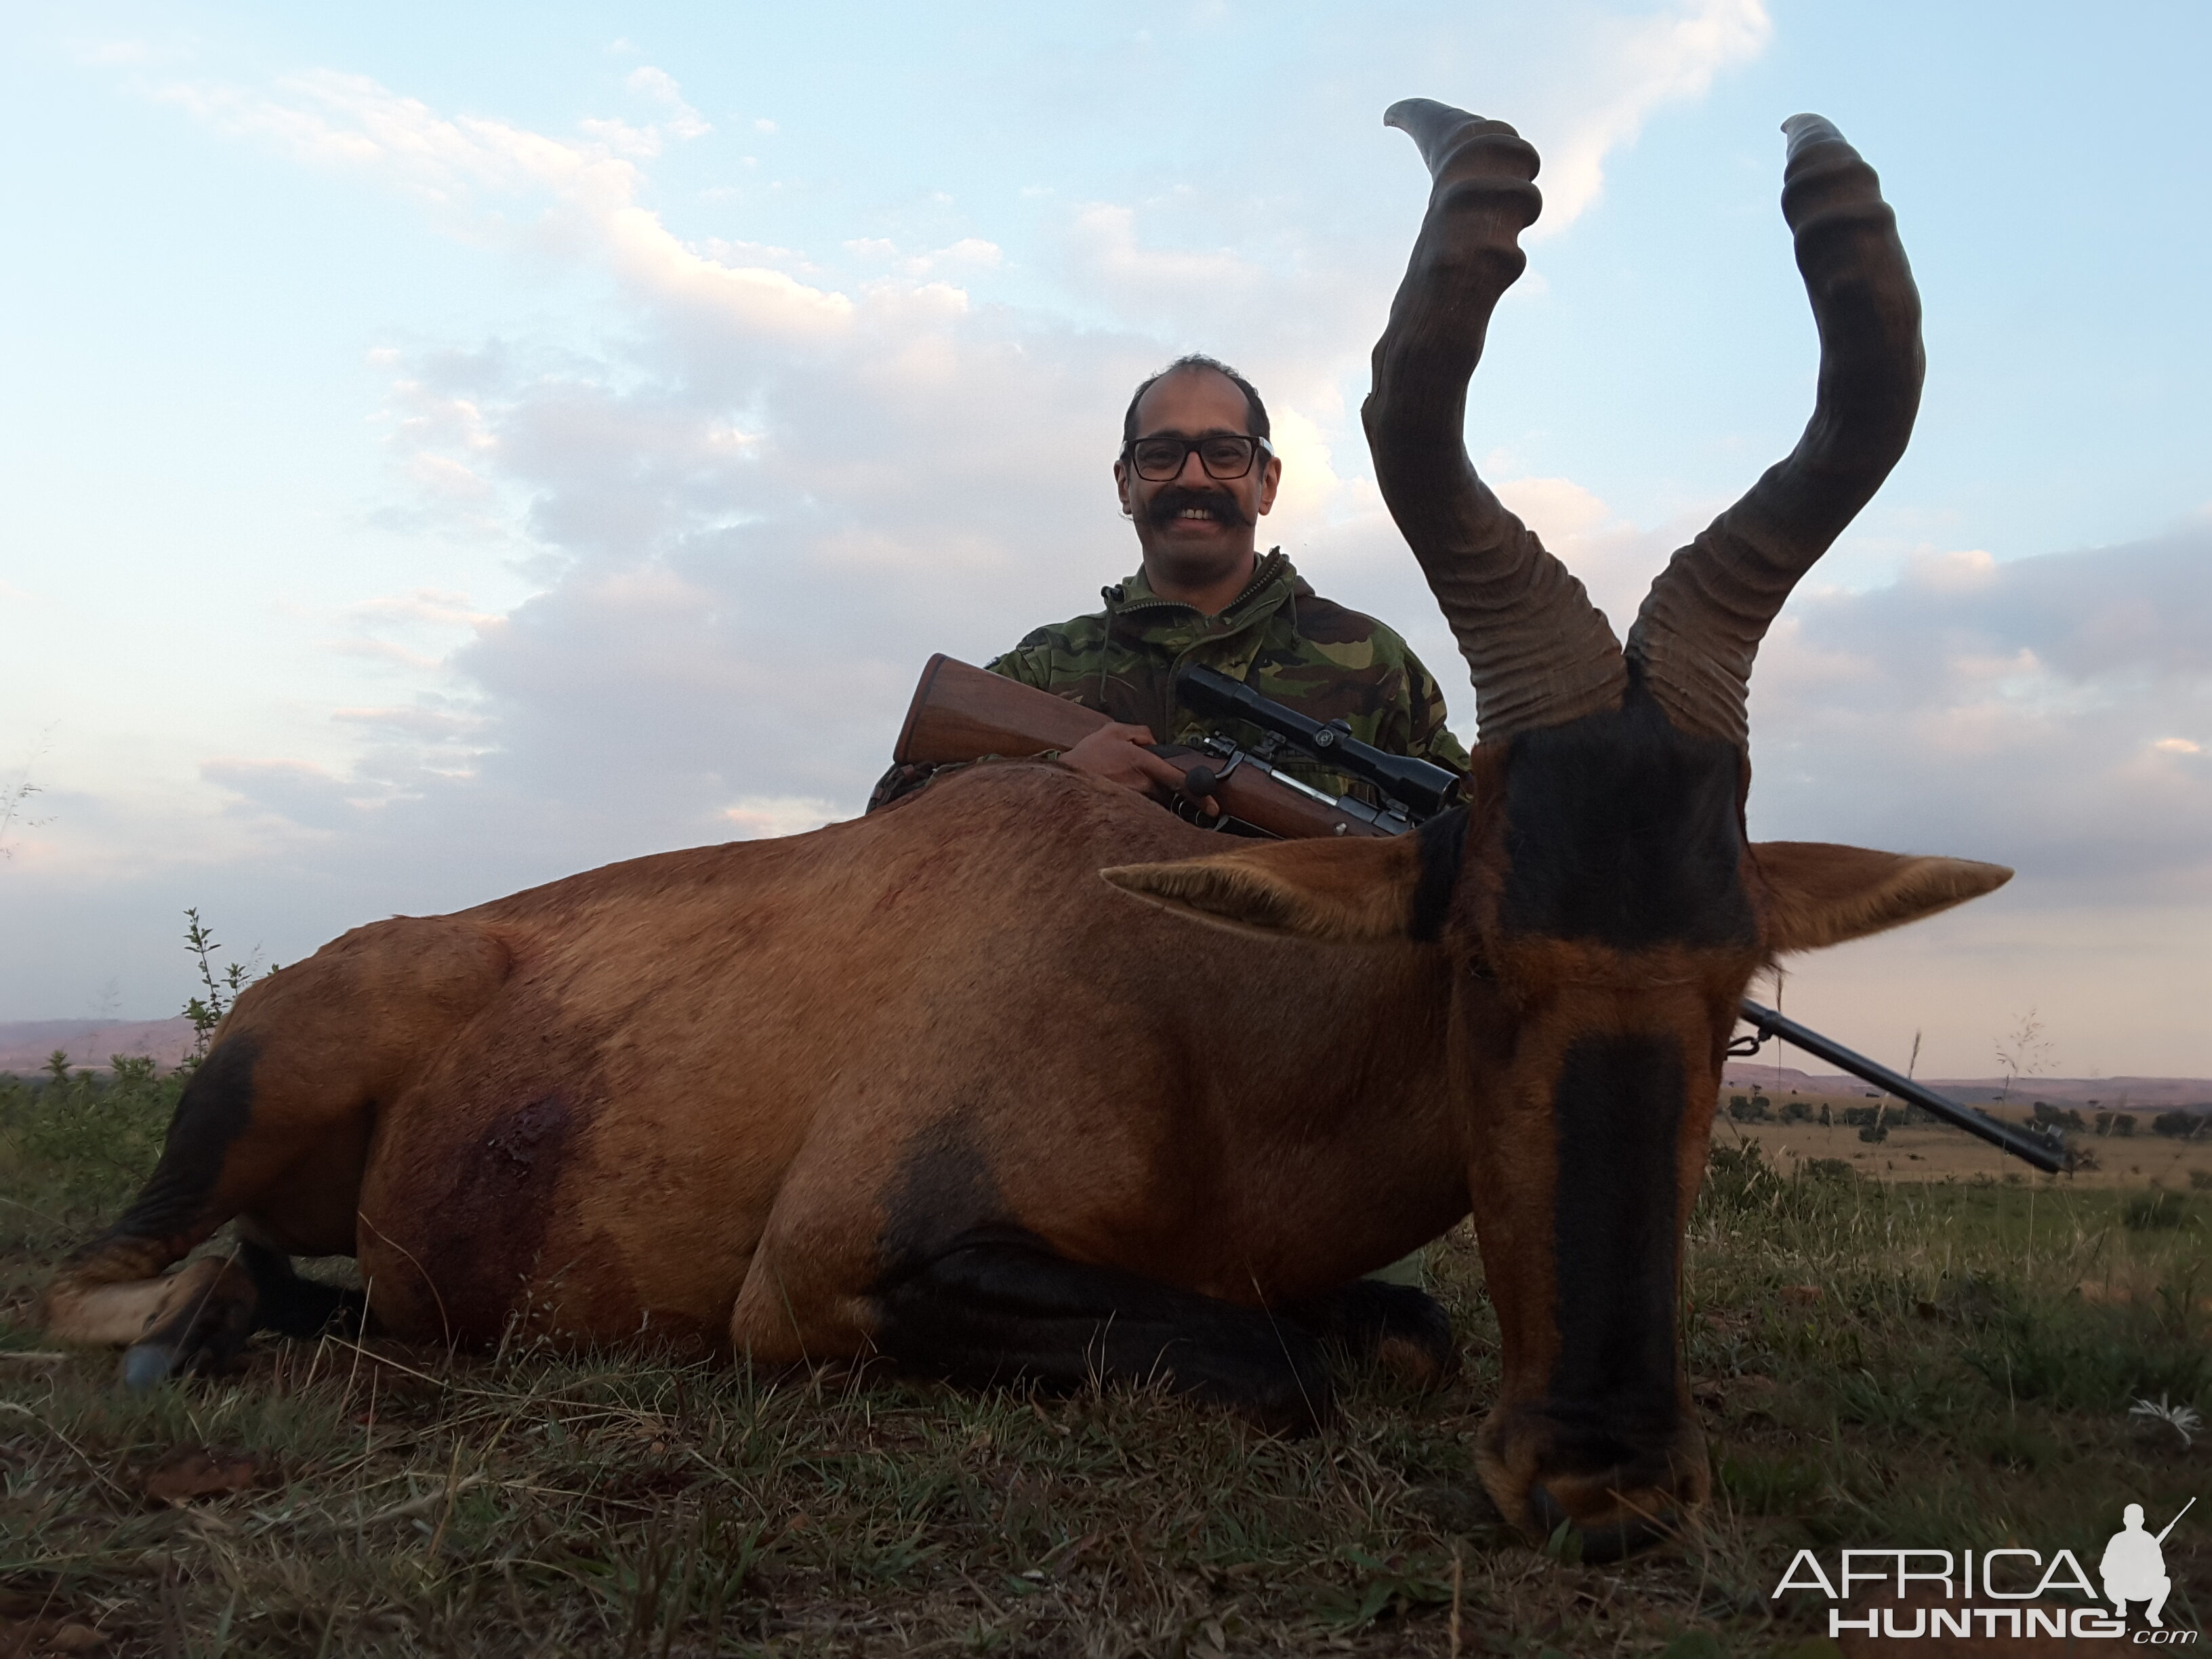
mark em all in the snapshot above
pixel 1279 636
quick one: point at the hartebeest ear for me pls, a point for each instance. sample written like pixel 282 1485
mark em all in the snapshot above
pixel 1354 889
pixel 1820 894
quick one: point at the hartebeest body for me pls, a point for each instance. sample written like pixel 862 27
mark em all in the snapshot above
pixel 924 1085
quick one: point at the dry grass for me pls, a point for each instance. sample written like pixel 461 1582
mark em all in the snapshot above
pixel 1938 1152
pixel 1879 1363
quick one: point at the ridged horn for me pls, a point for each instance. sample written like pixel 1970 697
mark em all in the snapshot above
pixel 1540 652
pixel 1701 623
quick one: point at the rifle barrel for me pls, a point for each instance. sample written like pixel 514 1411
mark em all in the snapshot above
pixel 1423 788
pixel 2176 1522
pixel 2032 1148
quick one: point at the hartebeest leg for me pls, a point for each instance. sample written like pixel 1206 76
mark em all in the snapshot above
pixel 273 1128
pixel 995 1309
pixel 1403 1329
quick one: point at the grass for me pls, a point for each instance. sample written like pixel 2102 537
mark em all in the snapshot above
pixel 1946 1365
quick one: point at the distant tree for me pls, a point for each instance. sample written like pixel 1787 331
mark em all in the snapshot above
pixel 2181 1126
pixel 2124 1123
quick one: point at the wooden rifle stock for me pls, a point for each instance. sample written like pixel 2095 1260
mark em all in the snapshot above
pixel 962 714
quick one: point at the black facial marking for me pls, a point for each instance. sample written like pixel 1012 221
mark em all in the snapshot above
pixel 1617 1114
pixel 1622 830
pixel 1443 849
pixel 213 1111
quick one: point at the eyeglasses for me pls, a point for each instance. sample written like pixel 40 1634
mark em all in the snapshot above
pixel 1223 455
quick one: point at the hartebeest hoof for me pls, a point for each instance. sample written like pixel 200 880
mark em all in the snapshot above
pixel 206 1313
pixel 209 1308
pixel 1627 1531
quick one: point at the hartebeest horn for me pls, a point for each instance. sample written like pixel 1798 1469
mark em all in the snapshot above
pixel 1540 652
pixel 1701 623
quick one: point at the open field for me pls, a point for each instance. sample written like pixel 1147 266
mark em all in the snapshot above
pixel 1938 1152
pixel 1879 1361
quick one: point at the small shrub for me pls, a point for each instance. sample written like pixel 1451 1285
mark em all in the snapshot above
pixel 2091 1358
pixel 2151 1212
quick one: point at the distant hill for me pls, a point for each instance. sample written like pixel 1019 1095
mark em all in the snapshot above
pixel 24 1043
pixel 2161 1094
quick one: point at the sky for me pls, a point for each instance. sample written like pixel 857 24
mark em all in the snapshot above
pixel 444 448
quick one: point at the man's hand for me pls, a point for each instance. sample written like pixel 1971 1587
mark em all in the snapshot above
pixel 1116 753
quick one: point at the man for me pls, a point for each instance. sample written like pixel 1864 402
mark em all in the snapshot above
pixel 1196 474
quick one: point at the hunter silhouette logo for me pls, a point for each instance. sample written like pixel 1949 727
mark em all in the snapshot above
pixel 2134 1567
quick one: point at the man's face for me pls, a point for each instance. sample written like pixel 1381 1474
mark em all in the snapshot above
pixel 1195 528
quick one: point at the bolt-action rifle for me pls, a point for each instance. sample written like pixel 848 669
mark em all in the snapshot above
pixel 964 714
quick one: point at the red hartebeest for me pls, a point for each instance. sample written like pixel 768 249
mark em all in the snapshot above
pixel 924 1085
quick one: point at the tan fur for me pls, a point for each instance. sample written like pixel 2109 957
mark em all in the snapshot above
pixel 102 1316
pixel 1820 894
pixel 672 1098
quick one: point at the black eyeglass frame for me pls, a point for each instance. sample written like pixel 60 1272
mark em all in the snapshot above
pixel 1257 446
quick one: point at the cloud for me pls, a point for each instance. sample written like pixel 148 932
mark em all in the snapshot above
pixel 1105 255
pixel 2050 713
pixel 1642 66
pixel 658 85
pixel 590 193
pixel 970 252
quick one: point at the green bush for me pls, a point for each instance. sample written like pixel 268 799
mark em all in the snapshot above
pixel 2090 1359
pixel 2155 1213
pixel 75 1142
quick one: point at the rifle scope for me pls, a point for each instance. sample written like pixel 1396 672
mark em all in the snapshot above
pixel 1422 789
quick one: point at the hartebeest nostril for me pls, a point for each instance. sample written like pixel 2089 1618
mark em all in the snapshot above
pixel 1635 1528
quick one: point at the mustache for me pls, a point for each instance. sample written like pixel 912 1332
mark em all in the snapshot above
pixel 1169 503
